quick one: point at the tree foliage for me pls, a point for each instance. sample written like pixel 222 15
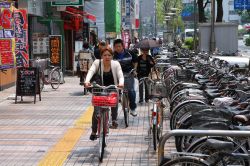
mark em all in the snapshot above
pixel 164 6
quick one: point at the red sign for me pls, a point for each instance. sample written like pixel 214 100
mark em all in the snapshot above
pixel 7 58
pixel 126 38
pixel 5 45
pixel 21 38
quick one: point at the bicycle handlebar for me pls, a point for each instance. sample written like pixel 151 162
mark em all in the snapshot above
pixel 94 85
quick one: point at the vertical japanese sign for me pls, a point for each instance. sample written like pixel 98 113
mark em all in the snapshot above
pixel 7 40
pixel 128 13
pixel 55 49
pixel 21 38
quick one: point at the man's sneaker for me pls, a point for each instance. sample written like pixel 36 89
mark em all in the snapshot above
pixel 140 102
pixel 114 125
pixel 133 112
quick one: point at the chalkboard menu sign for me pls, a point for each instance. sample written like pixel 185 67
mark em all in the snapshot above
pixel 28 82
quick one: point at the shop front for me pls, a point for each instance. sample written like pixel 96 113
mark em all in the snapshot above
pixel 13 42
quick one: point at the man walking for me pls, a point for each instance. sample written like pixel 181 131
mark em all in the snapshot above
pixel 128 62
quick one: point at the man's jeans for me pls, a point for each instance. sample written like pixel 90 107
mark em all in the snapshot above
pixel 129 84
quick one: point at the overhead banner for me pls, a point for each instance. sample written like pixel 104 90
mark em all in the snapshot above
pixel 21 38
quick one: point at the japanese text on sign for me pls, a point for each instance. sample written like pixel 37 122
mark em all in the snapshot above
pixel 55 50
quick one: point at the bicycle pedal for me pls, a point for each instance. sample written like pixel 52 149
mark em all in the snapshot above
pixel 147 138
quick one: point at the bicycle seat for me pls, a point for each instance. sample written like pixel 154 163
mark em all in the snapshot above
pixel 244 119
pixel 212 95
pixel 51 66
pixel 219 145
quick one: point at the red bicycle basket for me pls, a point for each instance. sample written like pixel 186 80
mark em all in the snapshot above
pixel 109 100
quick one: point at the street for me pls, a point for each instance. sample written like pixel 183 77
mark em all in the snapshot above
pixel 244 50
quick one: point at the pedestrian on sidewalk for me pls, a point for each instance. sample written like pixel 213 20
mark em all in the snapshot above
pixel 128 62
pixel 111 74
pixel 145 63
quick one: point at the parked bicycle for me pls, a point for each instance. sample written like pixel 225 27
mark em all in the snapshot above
pixel 104 97
pixel 157 92
pixel 48 75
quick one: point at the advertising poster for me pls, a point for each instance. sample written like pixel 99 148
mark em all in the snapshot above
pixel 55 49
pixel 21 38
pixel 7 36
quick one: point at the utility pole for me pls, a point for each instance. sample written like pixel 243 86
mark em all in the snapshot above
pixel 212 38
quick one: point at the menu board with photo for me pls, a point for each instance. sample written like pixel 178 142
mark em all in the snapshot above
pixel 40 44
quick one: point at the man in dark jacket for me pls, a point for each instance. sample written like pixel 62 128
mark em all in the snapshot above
pixel 145 63
pixel 128 62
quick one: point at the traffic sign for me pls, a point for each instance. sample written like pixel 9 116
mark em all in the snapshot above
pixel 242 4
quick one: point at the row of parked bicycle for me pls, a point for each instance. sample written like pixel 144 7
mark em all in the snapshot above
pixel 204 94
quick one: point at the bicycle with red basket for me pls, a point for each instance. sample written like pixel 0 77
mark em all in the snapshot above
pixel 104 97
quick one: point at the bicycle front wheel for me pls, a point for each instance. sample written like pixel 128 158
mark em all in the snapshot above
pixel 102 135
pixel 55 79
pixel 186 161
pixel 125 107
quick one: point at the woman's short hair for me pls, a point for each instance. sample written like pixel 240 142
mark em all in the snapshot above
pixel 107 49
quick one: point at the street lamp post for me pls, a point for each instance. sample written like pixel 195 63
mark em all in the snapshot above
pixel 212 38
pixel 195 26
pixel 155 17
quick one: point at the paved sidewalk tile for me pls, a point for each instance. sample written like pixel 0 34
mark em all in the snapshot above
pixel 125 146
pixel 28 131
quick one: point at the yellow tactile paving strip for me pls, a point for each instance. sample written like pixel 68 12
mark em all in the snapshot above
pixel 59 153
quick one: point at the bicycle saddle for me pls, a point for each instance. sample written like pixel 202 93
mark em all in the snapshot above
pixel 219 145
pixel 244 119
pixel 51 66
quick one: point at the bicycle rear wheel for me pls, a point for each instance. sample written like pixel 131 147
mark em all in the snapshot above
pixel 125 107
pixel 55 79
pixel 102 135
pixel 187 161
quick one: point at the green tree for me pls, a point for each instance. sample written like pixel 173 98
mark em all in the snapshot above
pixel 164 6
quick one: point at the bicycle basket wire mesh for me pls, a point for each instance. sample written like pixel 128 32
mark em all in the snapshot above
pixel 156 89
pixel 210 118
pixel 42 64
pixel 104 97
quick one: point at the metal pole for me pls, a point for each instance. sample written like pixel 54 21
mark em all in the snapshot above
pixel 212 38
pixel 223 133
pixel 155 18
pixel 195 26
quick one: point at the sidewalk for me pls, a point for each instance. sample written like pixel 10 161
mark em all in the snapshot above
pixel 55 131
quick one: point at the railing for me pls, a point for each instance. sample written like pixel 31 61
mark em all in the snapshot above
pixel 165 137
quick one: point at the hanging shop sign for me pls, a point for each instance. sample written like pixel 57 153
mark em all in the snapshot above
pixel 21 38
pixel 67 3
pixel 55 49
pixel 40 43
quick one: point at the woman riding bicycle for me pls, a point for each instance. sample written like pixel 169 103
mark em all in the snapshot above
pixel 111 74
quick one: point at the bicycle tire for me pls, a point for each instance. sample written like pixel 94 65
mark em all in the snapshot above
pixel 41 83
pixel 186 160
pixel 155 133
pixel 55 79
pixel 199 143
pixel 125 107
pixel 177 110
pixel 102 135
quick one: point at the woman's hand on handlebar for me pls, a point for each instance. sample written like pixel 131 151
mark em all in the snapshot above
pixel 87 85
pixel 120 86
